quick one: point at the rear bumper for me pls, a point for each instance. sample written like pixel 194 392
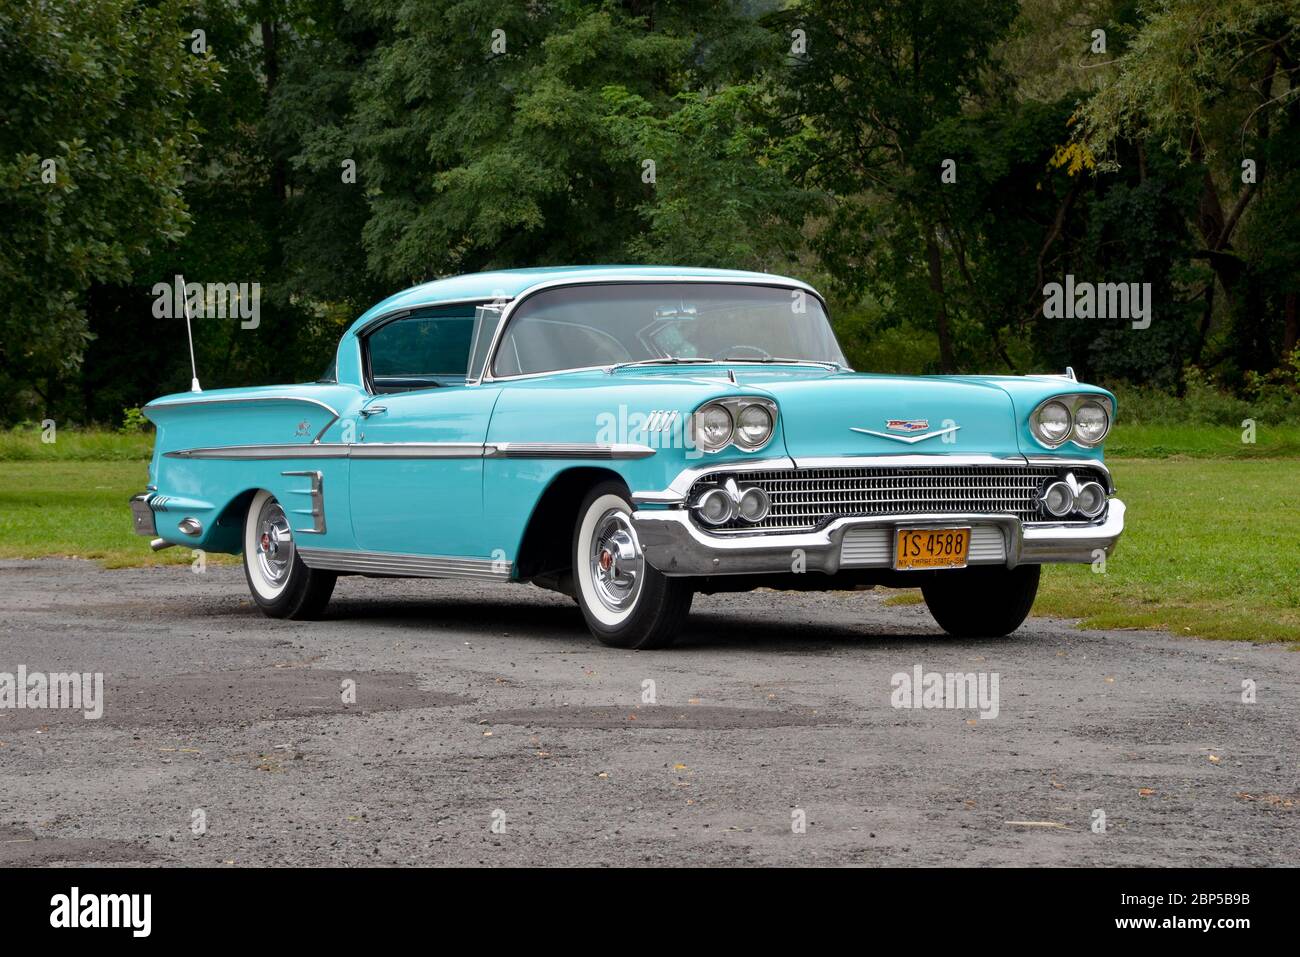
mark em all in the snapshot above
pixel 674 545
pixel 142 514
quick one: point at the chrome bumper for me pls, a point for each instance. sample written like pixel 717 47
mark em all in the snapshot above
pixel 674 545
pixel 143 514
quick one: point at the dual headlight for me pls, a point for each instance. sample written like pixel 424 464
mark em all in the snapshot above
pixel 1085 419
pixel 742 421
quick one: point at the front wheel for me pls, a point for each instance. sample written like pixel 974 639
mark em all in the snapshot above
pixel 627 603
pixel 982 602
pixel 280 583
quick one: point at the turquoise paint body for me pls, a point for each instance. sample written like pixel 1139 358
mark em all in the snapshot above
pixel 480 507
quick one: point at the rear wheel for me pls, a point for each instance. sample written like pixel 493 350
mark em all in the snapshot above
pixel 627 603
pixel 982 601
pixel 280 583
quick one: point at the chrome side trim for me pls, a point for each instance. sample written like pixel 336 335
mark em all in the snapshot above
pixel 419 450
pixel 393 564
pixel 415 450
pixel 620 278
pixel 316 498
pixel 249 398
pixel 560 450
pixel 329 450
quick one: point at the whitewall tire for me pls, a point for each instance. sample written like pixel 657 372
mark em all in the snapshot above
pixel 281 585
pixel 626 602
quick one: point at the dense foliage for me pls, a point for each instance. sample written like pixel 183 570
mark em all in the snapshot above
pixel 934 164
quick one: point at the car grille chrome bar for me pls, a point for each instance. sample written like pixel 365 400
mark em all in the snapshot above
pixel 804 499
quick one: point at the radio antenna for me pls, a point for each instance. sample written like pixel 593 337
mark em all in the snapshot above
pixel 189 334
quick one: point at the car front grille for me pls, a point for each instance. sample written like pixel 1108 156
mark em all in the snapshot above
pixel 804 499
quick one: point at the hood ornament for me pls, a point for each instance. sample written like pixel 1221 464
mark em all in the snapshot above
pixel 915 429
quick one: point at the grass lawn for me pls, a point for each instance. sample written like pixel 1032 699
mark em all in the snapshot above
pixel 1212 546
pixel 76 508
pixel 1201 441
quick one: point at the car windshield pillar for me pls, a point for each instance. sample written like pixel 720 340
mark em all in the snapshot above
pixel 487 318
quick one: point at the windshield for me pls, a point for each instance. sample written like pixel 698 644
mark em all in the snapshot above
pixel 574 327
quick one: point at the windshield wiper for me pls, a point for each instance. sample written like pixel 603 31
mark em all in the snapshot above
pixel 776 359
pixel 661 361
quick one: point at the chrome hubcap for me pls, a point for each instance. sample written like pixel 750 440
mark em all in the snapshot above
pixel 616 562
pixel 274 544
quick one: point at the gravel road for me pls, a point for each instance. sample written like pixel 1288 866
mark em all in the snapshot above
pixel 488 705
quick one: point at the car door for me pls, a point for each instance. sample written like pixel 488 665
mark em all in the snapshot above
pixel 417 459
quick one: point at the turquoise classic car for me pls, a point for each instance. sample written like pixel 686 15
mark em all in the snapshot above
pixel 631 436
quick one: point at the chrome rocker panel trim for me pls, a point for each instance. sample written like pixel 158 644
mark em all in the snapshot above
pixel 395 565
pixel 674 545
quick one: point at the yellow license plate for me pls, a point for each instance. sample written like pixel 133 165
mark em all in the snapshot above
pixel 931 548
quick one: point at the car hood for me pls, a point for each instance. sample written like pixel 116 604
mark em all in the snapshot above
pixel 848 414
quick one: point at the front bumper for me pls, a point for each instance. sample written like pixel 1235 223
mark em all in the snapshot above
pixel 674 545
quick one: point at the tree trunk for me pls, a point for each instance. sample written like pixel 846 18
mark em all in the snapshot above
pixel 934 257
pixel 279 178
pixel 1207 319
pixel 1291 332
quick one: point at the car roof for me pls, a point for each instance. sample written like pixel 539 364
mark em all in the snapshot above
pixel 509 283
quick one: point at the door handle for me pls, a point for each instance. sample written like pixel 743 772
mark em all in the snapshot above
pixel 374 410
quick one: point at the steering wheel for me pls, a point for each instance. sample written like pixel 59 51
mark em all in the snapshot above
pixel 731 352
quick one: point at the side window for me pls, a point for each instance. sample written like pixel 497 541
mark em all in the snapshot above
pixel 422 351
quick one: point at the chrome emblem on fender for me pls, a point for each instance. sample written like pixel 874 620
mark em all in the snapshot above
pixel 661 420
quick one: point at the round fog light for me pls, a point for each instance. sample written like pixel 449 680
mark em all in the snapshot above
pixel 1091 500
pixel 754 504
pixel 715 506
pixel 1058 499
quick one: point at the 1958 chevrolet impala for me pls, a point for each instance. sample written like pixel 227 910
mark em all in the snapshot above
pixel 630 436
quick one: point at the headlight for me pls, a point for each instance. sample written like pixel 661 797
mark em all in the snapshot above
pixel 1091 422
pixel 1084 418
pixel 753 426
pixel 1052 422
pixel 713 427
pixel 746 422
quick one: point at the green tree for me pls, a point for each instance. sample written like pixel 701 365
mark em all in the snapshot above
pixel 1213 84
pixel 94 137
pixel 492 133
pixel 875 77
